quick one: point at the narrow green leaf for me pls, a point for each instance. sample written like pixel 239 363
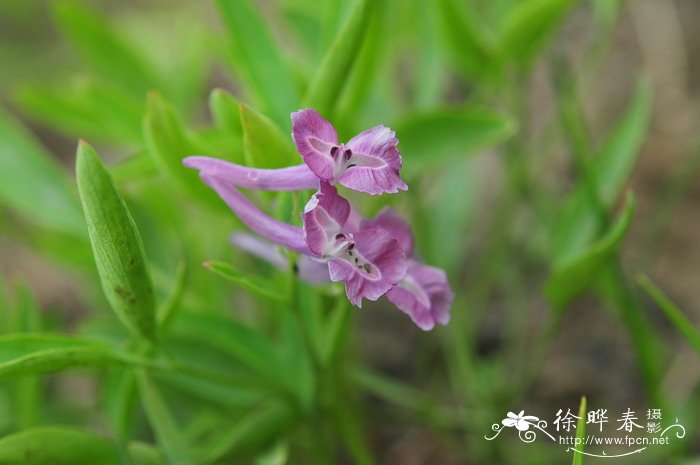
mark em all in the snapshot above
pixel 256 429
pixel 580 432
pixel 331 77
pixel 30 353
pixel 103 47
pixel 573 276
pixel 468 42
pixel 119 394
pixel 528 26
pixel 225 109
pixel 116 245
pixel 168 308
pixel 245 344
pixel 247 281
pixel 622 148
pixel 168 142
pixel 259 59
pixel 57 446
pixel 86 108
pixel 28 401
pixel 438 137
pixel 682 323
pixel 579 224
pixel 161 419
pixel 264 144
pixel 32 182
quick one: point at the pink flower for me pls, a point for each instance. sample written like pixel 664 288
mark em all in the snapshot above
pixel 369 162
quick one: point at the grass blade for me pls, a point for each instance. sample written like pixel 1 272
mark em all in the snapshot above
pixel 258 56
pixel 330 79
pixel 673 313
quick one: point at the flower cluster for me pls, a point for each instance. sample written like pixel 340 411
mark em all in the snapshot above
pixel 372 257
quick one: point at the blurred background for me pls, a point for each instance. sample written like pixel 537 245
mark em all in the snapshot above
pixel 503 109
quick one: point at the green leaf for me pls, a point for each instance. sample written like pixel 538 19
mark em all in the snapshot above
pixel 247 281
pixel 31 353
pixel 257 428
pixel 32 182
pixel 103 47
pixel 622 148
pixel 161 418
pixel 442 136
pixel 259 60
pixel 573 276
pixel 682 323
pixel 116 245
pixel 579 224
pixel 168 143
pixel 580 432
pixel 528 26
pixel 245 344
pixel 225 109
pixel 86 108
pixel 471 47
pixel 57 446
pixel 330 79
pixel 264 144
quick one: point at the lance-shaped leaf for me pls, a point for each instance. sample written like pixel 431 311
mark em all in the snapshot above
pixel 168 143
pixel 116 245
pixel 468 42
pixel 330 79
pixel 103 48
pixel 528 26
pixel 580 432
pixel 579 224
pixel 259 59
pixel 573 276
pixel 33 184
pixel 264 143
pixel 57 446
pixel 682 323
pixel 33 353
pixel 225 109
pixel 438 137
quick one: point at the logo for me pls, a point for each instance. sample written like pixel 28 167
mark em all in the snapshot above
pixel 626 435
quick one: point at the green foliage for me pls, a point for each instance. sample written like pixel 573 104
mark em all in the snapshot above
pixel 442 136
pixel 258 57
pixel 580 432
pixel 260 367
pixel 569 278
pixel 33 353
pixel 57 446
pixel 264 144
pixel 326 87
pixel 32 183
pixel 116 244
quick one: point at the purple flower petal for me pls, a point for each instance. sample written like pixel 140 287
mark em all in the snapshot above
pixel 314 138
pixel 424 295
pixel 369 162
pixel 371 268
pixel 286 235
pixel 292 178
pixel 310 269
pixel 324 217
pixel 375 163
pixel 391 222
